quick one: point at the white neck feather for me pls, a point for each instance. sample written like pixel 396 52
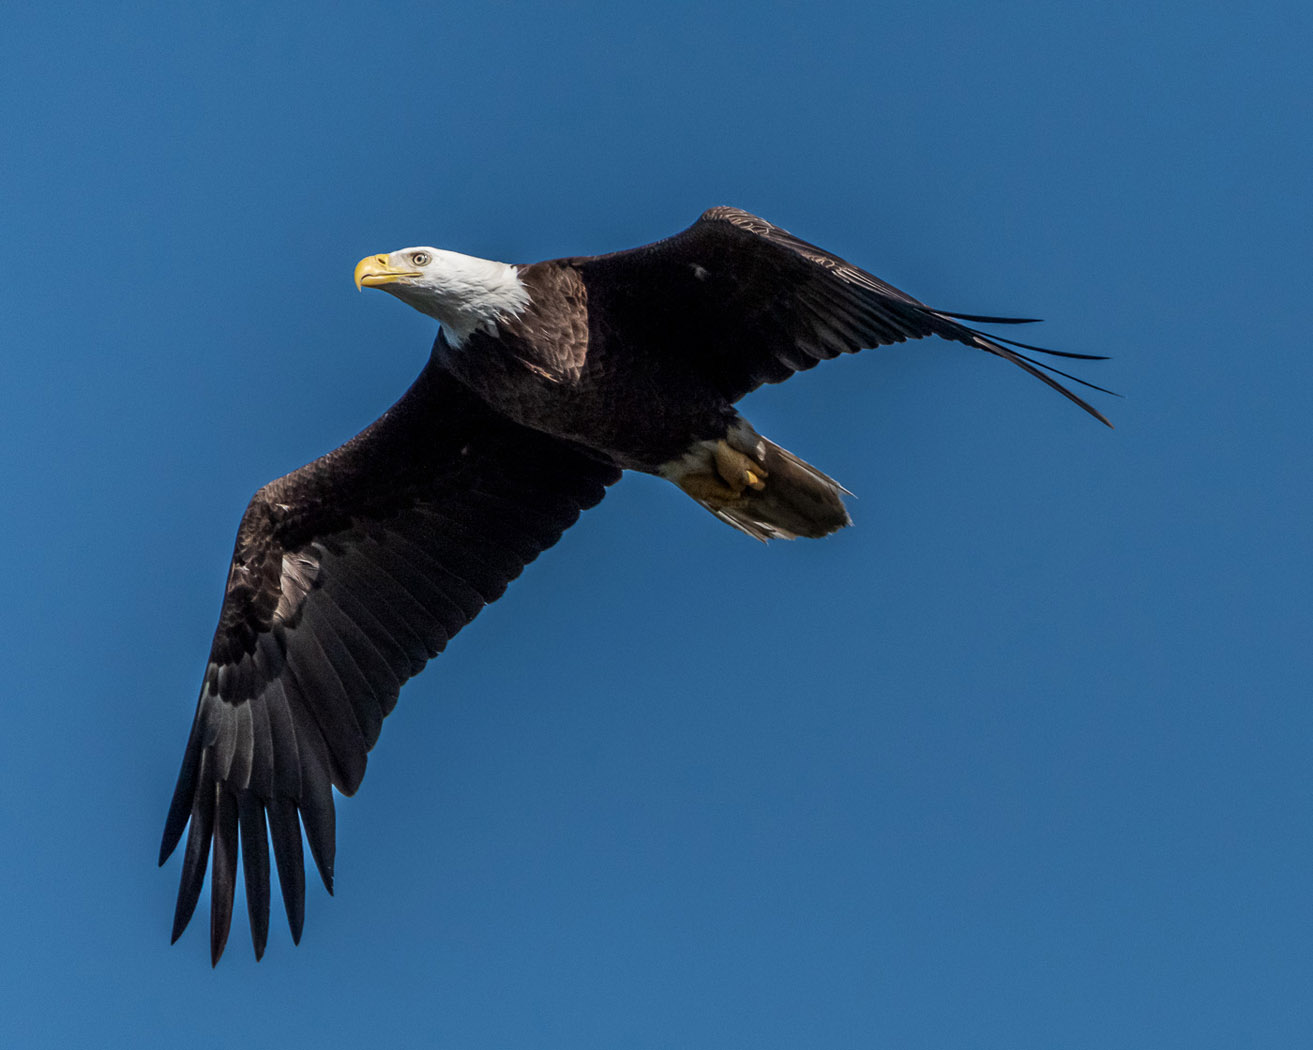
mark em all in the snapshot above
pixel 465 293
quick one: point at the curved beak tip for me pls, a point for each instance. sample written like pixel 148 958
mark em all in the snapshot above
pixel 363 268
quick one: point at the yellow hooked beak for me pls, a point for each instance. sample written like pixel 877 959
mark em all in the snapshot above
pixel 374 270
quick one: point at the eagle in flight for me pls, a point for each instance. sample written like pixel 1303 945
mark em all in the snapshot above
pixel 546 381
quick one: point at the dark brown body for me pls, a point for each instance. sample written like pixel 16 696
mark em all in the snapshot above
pixel 574 366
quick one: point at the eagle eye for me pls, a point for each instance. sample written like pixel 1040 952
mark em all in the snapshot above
pixel 420 258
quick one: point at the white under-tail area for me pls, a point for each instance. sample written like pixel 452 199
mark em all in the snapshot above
pixel 759 488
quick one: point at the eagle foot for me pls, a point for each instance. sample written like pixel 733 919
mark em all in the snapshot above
pixel 739 470
pixel 708 488
pixel 735 473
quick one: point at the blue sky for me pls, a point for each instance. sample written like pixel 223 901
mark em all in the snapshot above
pixel 1021 760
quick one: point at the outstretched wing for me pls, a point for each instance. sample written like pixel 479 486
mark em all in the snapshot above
pixel 347 576
pixel 750 303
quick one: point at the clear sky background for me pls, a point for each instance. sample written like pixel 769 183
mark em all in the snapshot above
pixel 1021 760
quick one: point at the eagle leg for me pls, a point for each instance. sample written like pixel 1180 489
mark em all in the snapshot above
pixel 738 469
pixel 728 477
pixel 734 473
pixel 708 488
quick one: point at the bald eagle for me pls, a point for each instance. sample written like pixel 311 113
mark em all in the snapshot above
pixel 544 383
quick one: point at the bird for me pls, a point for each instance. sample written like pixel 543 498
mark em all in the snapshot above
pixel 545 382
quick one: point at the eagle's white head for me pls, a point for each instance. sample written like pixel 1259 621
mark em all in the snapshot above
pixel 462 292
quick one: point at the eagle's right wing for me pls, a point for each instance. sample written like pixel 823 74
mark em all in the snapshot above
pixel 348 575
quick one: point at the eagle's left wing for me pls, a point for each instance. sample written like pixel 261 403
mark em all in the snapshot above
pixel 748 303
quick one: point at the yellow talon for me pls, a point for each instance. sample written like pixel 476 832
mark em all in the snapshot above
pixel 731 473
pixel 738 470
